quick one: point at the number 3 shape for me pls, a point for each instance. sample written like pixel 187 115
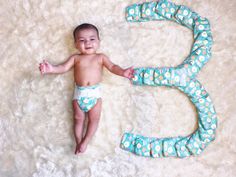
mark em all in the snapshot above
pixel 182 77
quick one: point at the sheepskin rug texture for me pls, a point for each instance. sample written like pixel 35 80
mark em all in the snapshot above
pixel 36 116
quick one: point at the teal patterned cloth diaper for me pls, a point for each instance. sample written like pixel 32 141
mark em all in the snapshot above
pixel 87 96
pixel 183 77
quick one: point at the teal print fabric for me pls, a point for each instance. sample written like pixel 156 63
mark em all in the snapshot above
pixel 182 77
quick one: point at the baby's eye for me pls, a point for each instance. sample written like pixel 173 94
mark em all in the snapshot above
pixel 92 39
pixel 81 40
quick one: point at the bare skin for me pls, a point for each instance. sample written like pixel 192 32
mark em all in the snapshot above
pixel 88 67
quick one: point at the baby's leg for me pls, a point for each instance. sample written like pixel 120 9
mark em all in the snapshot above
pixel 93 119
pixel 79 117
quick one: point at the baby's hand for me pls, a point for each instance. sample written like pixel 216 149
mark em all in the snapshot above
pixel 45 67
pixel 129 72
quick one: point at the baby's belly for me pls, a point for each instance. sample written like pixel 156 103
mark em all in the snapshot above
pixel 88 79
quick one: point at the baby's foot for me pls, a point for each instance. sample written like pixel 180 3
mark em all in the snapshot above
pixel 77 149
pixel 83 147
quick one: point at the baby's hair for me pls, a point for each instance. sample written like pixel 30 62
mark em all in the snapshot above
pixel 84 26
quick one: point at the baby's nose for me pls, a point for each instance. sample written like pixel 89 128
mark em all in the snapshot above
pixel 87 42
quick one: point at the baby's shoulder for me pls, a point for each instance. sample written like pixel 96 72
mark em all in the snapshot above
pixel 103 59
pixel 75 57
pixel 101 56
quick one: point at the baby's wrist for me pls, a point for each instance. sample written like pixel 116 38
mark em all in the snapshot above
pixel 123 74
pixel 52 70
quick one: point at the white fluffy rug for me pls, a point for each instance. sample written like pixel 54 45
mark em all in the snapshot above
pixel 36 135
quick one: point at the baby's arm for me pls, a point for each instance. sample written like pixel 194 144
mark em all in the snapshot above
pixel 128 73
pixel 46 68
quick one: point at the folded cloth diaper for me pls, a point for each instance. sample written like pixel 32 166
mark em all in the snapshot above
pixel 182 77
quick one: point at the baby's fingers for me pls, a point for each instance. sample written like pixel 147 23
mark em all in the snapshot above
pixel 42 68
pixel 132 70
pixel 45 62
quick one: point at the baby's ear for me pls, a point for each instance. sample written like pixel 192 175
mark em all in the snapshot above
pixel 76 44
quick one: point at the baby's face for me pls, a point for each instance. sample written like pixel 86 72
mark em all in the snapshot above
pixel 87 41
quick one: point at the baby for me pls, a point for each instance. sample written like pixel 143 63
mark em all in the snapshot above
pixel 88 66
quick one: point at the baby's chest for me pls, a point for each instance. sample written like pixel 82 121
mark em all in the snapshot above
pixel 88 63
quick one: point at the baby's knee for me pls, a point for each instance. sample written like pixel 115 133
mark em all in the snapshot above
pixel 94 118
pixel 79 117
